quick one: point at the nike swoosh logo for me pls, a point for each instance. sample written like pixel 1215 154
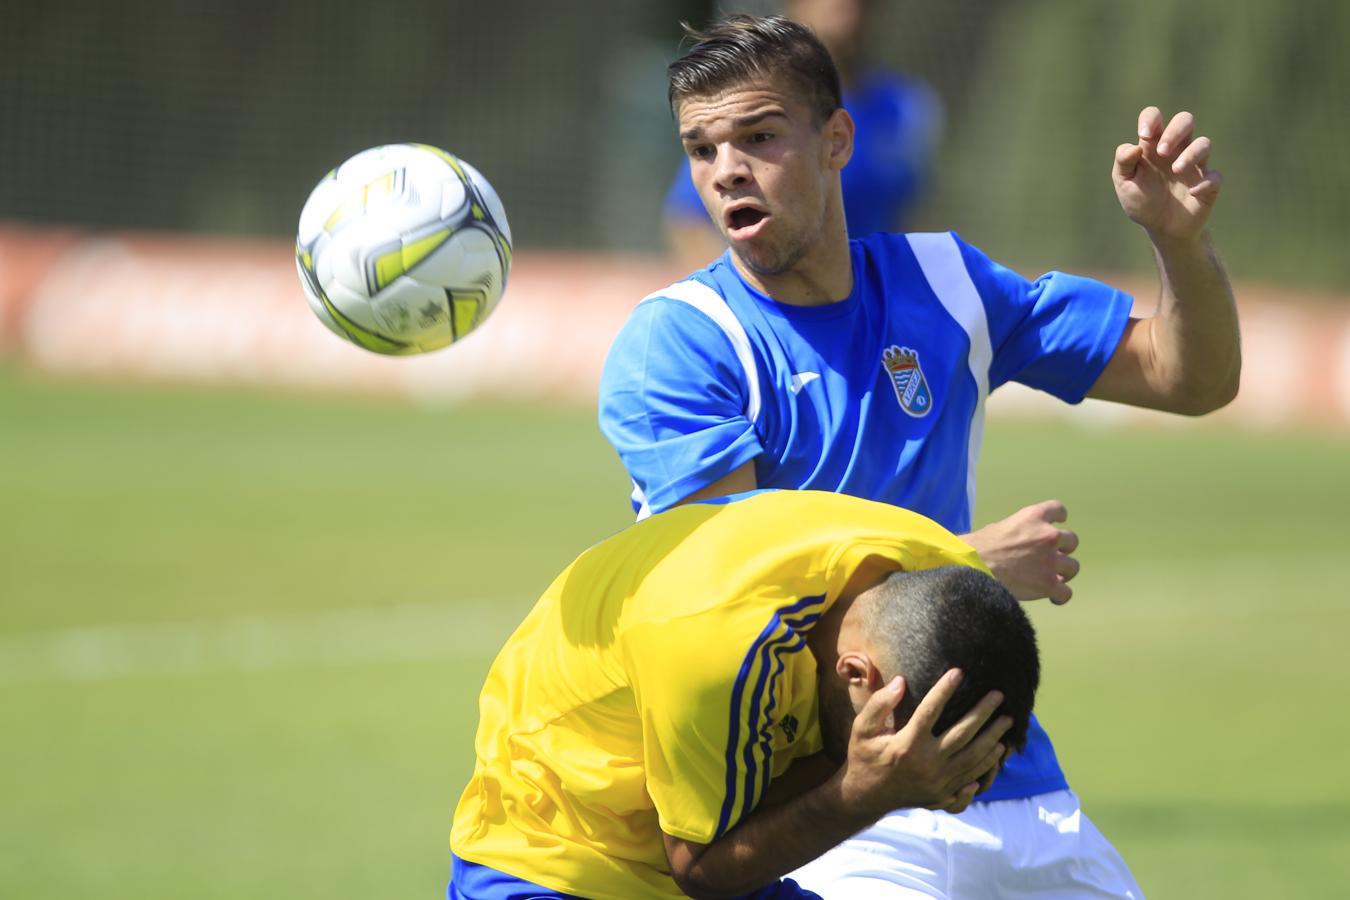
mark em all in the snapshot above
pixel 802 379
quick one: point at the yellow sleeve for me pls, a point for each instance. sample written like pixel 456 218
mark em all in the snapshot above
pixel 726 699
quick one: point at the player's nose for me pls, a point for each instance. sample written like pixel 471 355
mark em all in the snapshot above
pixel 732 169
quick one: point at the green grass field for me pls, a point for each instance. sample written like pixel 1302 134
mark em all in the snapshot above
pixel 242 636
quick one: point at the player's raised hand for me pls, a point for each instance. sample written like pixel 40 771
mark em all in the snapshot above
pixel 1164 182
pixel 888 769
pixel 1029 553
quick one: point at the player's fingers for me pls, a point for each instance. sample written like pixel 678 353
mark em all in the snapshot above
pixel 959 801
pixel 975 767
pixel 1150 123
pixel 971 761
pixel 969 729
pixel 1052 511
pixel 1207 191
pixel 1193 158
pixel 1068 541
pixel 1177 134
pixel 987 779
pixel 930 708
pixel 1127 160
pixel 1060 594
pixel 1066 566
pixel 873 718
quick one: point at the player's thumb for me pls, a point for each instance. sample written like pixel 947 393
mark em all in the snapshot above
pixel 1052 511
pixel 877 715
pixel 1127 159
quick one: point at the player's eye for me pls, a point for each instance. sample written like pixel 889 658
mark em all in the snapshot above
pixel 760 137
pixel 700 151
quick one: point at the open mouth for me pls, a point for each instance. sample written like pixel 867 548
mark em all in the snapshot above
pixel 745 218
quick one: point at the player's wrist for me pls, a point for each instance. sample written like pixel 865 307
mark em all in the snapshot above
pixel 1194 243
pixel 848 802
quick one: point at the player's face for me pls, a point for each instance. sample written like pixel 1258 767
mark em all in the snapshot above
pixel 764 170
pixel 836 717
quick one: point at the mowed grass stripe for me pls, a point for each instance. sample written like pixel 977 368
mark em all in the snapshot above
pixel 425 631
pixel 343 637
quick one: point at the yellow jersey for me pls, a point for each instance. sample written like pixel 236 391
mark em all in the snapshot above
pixel 662 681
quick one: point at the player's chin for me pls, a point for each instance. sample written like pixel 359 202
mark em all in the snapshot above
pixel 764 260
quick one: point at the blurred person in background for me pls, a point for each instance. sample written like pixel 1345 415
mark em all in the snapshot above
pixel 803 359
pixel 898 120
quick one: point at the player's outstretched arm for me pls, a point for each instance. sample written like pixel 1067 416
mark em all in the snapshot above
pixel 1186 358
pixel 885 770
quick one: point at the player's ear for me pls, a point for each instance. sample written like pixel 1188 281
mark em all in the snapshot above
pixel 861 679
pixel 838 132
pixel 875 680
pixel 859 672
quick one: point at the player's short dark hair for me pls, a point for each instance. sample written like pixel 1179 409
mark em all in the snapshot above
pixel 740 48
pixel 957 617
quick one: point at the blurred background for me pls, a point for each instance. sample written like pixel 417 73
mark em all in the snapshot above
pixel 155 114
pixel 251 577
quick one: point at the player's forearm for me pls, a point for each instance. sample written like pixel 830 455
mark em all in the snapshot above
pixel 1196 352
pixel 771 842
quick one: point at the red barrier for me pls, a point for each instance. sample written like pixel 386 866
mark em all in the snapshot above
pixel 189 309
pixel 225 310
pixel 26 255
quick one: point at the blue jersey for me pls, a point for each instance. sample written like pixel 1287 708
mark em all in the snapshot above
pixel 880 395
pixel 897 123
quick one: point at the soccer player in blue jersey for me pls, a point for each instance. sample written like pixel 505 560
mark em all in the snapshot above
pixel 801 359
pixel 898 119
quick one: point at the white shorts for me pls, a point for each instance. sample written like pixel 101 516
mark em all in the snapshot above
pixel 1037 847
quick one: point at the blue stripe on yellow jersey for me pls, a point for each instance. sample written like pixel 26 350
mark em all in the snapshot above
pixel 662 681
pixel 783 634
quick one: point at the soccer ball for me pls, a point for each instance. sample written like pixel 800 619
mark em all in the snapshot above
pixel 403 248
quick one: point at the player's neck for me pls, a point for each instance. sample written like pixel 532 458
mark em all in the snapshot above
pixel 823 275
pixel 823 639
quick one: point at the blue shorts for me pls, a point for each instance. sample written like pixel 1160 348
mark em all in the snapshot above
pixel 470 881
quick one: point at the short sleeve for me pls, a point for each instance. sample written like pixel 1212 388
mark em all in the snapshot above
pixel 673 398
pixel 1056 333
pixel 716 734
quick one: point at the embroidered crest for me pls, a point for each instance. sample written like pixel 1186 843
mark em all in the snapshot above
pixel 911 388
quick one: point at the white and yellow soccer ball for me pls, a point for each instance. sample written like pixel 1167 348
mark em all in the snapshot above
pixel 403 248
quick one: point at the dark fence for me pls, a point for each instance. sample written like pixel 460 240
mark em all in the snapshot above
pixel 220 118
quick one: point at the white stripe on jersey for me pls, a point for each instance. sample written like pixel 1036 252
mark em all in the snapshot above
pixel 940 259
pixel 644 508
pixel 710 303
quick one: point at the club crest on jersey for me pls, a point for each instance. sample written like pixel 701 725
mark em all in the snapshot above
pixel 911 388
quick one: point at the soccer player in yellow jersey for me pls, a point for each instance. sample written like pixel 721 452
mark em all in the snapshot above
pixel 637 730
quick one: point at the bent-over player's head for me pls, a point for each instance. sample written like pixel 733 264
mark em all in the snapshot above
pixel 741 49
pixel 919 625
